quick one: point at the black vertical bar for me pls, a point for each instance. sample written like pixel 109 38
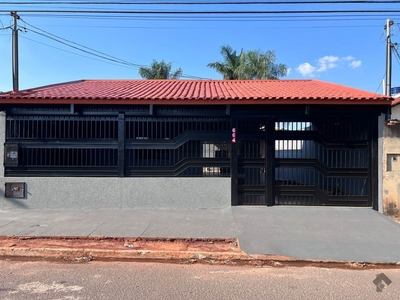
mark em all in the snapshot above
pixel 270 162
pixel 121 145
pixel 234 164
pixel 373 169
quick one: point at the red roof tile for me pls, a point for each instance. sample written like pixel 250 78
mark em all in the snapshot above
pixel 396 101
pixel 195 92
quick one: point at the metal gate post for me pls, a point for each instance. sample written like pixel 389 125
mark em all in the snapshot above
pixel 373 168
pixel 121 145
pixel 234 164
pixel 270 162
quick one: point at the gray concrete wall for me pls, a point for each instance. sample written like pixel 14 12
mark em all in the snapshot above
pixel 391 167
pixel 94 193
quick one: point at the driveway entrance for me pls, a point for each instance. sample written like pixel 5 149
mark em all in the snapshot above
pixel 310 161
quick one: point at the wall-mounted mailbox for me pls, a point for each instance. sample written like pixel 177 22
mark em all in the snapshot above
pixel 15 190
pixel 11 154
pixel 393 162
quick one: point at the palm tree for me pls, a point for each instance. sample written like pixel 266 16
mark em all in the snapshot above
pixel 160 70
pixel 260 65
pixel 252 64
pixel 230 67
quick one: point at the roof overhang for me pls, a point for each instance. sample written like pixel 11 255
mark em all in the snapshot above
pixel 118 101
pixel 196 92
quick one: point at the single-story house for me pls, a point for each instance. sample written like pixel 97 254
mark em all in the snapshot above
pixel 190 144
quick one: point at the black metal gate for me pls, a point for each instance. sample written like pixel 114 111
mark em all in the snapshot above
pixel 251 161
pixel 311 162
pixel 323 163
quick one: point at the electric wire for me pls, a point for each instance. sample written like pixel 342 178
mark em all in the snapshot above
pixel 66 42
pixel 214 18
pixel 197 2
pixel 119 65
pixel 195 15
pixel 89 50
pixel 380 84
pixel 207 12
pixel 396 53
pixel 216 27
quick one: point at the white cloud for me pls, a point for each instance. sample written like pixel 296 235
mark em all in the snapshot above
pixel 288 71
pixel 350 57
pixel 355 64
pixel 325 63
pixel 306 70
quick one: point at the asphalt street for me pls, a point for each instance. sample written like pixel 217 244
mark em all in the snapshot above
pixel 55 281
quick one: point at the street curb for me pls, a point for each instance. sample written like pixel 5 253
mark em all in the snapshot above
pixel 115 249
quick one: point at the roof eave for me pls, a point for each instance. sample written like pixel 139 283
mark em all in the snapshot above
pixel 213 101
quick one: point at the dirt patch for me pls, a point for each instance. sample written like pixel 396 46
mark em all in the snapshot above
pixel 168 250
pixel 115 243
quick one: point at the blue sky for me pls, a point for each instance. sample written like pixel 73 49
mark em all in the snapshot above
pixel 342 48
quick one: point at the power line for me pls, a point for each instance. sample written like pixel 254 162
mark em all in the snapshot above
pixel 223 17
pixel 24 37
pixel 380 84
pixel 90 51
pixel 198 2
pixel 396 52
pixel 215 27
pixel 68 42
pixel 210 12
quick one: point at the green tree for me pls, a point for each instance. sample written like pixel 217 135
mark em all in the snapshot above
pixel 253 64
pixel 261 65
pixel 160 70
pixel 230 68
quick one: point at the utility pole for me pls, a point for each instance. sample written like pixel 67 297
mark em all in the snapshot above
pixel 15 52
pixel 388 58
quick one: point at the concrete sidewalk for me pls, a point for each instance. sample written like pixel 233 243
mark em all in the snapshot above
pixel 326 233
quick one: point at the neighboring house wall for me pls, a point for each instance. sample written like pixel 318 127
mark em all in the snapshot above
pixel 98 193
pixel 391 167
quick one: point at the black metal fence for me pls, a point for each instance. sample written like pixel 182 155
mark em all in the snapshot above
pixel 281 160
pixel 91 146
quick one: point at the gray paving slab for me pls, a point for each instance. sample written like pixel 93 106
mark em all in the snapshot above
pixel 320 233
pixel 360 234
pixel 193 223
pixel 13 228
pixel 122 229
pixel 4 223
pixel 82 227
